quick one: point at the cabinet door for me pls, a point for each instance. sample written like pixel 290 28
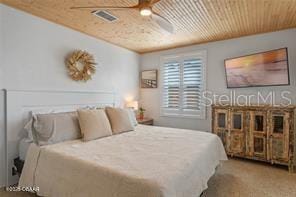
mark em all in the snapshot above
pixel 257 146
pixel 221 124
pixel 221 119
pixel 279 136
pixel 236 145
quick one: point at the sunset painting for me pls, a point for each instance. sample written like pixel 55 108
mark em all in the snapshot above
pixel 262 69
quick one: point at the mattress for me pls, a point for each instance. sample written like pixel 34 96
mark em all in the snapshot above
pixel 23 148
pixel 148 162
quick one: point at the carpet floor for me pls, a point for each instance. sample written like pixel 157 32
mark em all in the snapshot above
pixel 238 178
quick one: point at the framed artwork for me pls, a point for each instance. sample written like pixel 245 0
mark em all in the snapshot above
pixel 270 68
pixel 149 79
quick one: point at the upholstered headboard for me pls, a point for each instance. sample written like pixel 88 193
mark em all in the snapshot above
pixel 19 104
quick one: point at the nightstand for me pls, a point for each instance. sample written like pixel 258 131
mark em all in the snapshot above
pixel 19 164
pixel 146 121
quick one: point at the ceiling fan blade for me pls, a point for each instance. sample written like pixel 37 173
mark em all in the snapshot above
pixel 152 2
pixel 105 7
pixel 163 22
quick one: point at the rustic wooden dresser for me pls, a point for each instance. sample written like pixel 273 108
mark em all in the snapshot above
pixel 264 133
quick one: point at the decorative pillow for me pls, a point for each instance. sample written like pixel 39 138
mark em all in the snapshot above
pixel 132 116
pixel 94 124
pixel 55 127
pixel 119 119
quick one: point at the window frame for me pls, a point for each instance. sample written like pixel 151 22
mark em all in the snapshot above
pixel 181 57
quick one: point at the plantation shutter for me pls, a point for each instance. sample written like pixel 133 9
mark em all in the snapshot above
pixel 192 84
pixel 183 82
pixel 171 85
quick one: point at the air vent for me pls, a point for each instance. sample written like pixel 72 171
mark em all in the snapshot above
pixel 105 15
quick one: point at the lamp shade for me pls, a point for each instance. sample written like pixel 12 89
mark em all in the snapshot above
pixel 133 104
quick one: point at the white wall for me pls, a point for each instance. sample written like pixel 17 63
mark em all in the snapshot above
pixel 2 142
pixel 35 50
pixel 1 43
pixel 217 52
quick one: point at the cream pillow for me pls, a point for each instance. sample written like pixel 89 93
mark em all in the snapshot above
pixel 94 124
pixel 55 127
pixel 119 119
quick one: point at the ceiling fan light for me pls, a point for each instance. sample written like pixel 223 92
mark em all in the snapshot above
pixel 146 11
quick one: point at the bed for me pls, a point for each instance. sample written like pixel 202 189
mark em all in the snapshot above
pixel 148 162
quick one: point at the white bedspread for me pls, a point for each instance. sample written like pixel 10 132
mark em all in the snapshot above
pixel 148 162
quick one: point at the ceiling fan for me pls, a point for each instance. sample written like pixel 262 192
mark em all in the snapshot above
pixel 145 9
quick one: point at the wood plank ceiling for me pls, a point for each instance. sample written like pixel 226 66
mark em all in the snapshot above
pixel 195 21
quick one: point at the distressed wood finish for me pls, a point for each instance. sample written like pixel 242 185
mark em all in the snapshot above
pixel 264 133
pixel 221 127
pixel 236 133
pixel 195 21
pixel 256 133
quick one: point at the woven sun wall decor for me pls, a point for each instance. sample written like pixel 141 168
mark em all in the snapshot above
pixel 81 65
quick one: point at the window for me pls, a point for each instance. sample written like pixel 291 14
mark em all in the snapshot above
pixel 183 81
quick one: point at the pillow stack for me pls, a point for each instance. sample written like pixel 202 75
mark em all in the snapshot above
pixel 100 123
pixel 90 124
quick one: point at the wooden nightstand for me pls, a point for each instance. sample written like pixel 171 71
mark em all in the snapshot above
pixel 146 121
